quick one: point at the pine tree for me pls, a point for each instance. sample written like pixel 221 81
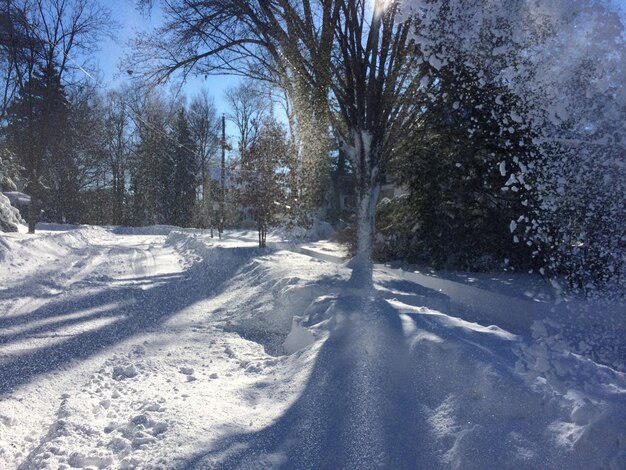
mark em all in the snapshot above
pixel 460 215
pixel 183 177
pixel 205 127
pixel 37 131
pixel 150 182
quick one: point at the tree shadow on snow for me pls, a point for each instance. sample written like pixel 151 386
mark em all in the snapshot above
pixel 355 409
pixel 399 390
pixel 117 314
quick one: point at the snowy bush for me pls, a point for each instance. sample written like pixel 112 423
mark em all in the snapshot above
pixel 9 215
pixel 397 227
pixel 315 230
pixel 9 171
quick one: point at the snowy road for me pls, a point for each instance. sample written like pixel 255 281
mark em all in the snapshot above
pixel 122 349
pixel 108 352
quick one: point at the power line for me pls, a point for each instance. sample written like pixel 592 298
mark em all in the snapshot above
pixel 56 46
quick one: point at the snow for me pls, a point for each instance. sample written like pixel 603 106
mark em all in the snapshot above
pixel 17 197
pixel 298 338
pixel 10 219
pixel 163 348
pixel 435 62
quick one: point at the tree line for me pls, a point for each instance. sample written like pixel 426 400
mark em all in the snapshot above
pixel 134 157
pixel 507 140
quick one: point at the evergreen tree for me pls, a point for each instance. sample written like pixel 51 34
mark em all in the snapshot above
pixel 184 168
pixel 116 145
pixel 565 65
pixel 37 132
pixel 150 184
pixel 205 127
pixel 458 213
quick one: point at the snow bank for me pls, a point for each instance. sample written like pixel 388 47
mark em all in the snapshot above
pixel 253 358
pixel 274 288
pixel 199 250
pixel 34 251
pixel 412 371
pixel 298 338
pixel 590 396
pixel 53 227
pixel 594 329
pixel 404 386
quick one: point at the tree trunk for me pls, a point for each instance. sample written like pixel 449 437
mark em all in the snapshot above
pixel 33 207
pixel 223 180
pixel 361 264
pixel 262 235
pixel 337 179
pixel 364 159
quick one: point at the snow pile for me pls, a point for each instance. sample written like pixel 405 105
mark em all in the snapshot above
pixel 590 396
pixel 10 218
pixel 298 338
pixel 595 330
pixel 32 253
pixel 196 246
pixel 274 292
pixel 399 386
pixel 206 254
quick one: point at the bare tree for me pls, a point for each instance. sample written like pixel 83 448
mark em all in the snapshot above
pixel 12 23
pixel 248 107
pixel 204 124
pixel 46 33
pixel 117 144
pixel 351 56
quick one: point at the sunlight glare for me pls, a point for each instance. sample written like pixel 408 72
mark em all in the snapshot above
pixel 381 5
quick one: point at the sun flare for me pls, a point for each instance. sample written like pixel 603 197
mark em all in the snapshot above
pixel 381 5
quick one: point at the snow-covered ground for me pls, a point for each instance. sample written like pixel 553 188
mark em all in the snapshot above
pixel 160 348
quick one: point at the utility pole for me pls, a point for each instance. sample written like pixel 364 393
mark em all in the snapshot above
pixel 207 210
pixel 208 202
pixel 220 227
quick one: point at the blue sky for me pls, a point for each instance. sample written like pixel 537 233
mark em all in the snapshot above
pixel 132 21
